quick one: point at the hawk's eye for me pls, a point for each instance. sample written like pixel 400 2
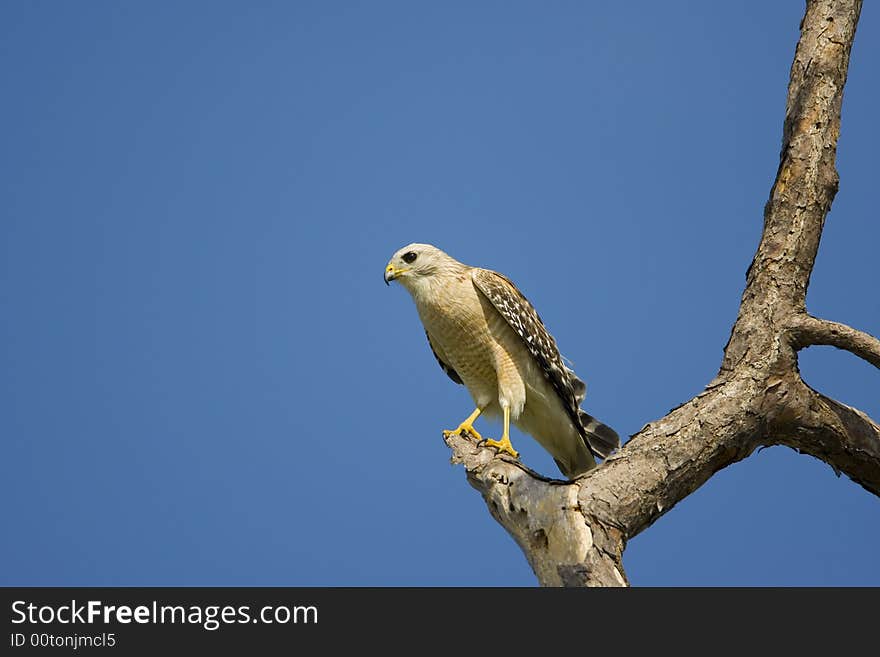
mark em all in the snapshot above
pixel 410 257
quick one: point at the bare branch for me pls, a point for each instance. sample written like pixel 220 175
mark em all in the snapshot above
pixel 543 516
pixel 806 330
pixel 670 458
pixel 842 436
pixel 574 533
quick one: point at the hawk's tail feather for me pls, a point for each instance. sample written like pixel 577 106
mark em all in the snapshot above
pixel 601 439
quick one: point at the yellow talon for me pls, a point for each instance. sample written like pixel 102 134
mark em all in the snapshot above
pixel 467 425
pixel 461 428
pixel 504 445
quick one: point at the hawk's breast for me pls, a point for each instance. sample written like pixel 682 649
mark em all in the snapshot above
pixel 477 342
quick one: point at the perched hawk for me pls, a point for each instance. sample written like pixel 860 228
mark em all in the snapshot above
pixel 487 336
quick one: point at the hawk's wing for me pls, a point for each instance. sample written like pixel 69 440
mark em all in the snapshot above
pixel 525 321
pixel 446 368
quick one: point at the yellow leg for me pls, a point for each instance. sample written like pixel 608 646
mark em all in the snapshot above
pixel 467 425
pixel 504 445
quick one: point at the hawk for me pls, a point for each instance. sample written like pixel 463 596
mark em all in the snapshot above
pixel 487 336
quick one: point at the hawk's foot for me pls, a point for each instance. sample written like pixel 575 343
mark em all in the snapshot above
pixel 467 425
pixel 464 426
pixel 503 445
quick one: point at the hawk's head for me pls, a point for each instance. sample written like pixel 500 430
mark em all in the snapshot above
pixel 415 263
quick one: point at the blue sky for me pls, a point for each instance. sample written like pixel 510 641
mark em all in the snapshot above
pixel 204 380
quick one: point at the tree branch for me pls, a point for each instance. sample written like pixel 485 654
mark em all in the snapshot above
pixel 842 436
pixel 806 330
pixel 564 546
pixel 574 533
pixel 543 517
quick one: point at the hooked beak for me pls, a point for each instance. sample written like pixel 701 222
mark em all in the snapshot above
pixel 391 273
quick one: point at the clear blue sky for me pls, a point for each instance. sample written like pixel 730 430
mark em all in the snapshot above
pixel 203 379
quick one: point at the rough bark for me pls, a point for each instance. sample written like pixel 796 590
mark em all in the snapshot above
pixel 574 533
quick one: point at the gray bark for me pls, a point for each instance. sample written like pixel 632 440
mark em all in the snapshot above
pixel 574 533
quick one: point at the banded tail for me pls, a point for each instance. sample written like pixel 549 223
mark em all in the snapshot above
pixel 600 438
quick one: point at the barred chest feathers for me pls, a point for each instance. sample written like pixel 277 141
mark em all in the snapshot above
pixel 477 342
